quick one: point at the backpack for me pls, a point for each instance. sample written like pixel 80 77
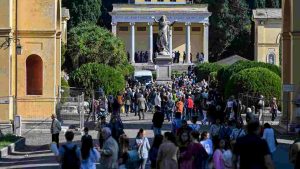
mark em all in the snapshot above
pixel 70 159
pixel 134 160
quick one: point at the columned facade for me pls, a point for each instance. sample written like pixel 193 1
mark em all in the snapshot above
pixel 150 42
pixel 188 42
pixel 132 30
pixel 135 25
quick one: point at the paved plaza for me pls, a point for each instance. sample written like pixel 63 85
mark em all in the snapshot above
pixel 36 153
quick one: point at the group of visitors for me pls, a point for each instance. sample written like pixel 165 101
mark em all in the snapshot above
pixel 176 57
pixel 188 106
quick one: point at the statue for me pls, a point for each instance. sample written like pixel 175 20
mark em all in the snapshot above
pixel 163 35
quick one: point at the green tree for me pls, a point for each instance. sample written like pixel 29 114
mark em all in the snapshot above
pixel 229 18
pixel 260 81
pixel 273 3
pixel 90 43
pixel 260 3
pixel 83 11
pixel 107 6
pixel 92 76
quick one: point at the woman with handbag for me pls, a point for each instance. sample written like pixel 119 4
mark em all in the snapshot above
pixel 143 147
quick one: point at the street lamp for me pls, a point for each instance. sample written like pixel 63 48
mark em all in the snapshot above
pixel 19 48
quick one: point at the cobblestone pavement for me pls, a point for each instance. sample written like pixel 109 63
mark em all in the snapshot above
pixel 36 153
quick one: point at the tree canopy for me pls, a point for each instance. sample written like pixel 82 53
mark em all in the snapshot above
pixel 229 18
pixel 90 43
pixel 92 76
pixel 83 11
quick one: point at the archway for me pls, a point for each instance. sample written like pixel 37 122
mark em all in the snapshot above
pixel 34 75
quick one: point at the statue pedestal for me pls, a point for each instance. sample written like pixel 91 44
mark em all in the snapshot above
pixel 164 68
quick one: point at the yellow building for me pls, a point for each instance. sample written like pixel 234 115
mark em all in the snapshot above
pixel 30 77
pixel 291 60
pixel 268 26
pixel 134 24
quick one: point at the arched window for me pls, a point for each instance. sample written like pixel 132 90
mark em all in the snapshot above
pixel 271 58
pixel 34 75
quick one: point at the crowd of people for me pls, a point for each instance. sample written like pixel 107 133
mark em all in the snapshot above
pixel 188 106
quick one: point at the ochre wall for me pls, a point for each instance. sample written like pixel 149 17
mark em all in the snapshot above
pixel 39 31
pixel 267 39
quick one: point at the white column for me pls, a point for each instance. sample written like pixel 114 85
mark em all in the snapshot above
pixel 205 41
pixel 150 42
pixel 132 42
pixel 171 41
pixel 188 42
pixel 114 28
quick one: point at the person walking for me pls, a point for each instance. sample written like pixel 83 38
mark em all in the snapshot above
pixel 208 146
pixel 157 120
pixel 269 136
pixel 89 154
pixel 294 152
pixel 55 129
pixel 69 155
pixel 190 107
pixel 143 146
pixel 142 107
pixel 195 154
pixel 109 152
pixel 167 153
pixel 153 152
pixel 251 150
pixel 218 155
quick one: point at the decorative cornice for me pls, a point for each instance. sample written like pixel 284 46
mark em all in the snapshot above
pixel 147 17
pixel 5 30
pixel 37 33
pixel 267 44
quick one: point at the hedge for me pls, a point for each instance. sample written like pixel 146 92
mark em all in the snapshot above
pixel 225 73
pixel 203 70
pixel 92 76
pixel 254 80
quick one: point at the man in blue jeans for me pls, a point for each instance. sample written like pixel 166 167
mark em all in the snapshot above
pixel 157 120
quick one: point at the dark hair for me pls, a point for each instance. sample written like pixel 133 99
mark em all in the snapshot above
pixel 140 131
pixel 69 135
pixel 267 125
pixel 195 135
pixel 157 140
pixel 184 122
pixel 194 119
pixel 86 146
pixel 203 135
pixel 253 126
pixel 177 115
pixel 171 137
pixel 86 129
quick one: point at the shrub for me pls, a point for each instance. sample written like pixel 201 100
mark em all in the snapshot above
pixel 203 70
pixel 126 69
pixel 92 76
pixel 225 73
pixel 254 80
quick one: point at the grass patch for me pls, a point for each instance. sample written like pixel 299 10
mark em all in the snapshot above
pixel 7 140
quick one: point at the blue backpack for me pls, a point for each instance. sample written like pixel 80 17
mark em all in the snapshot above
pixel 134 160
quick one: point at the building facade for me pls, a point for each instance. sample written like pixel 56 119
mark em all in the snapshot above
pixel 30 53
pixel 135 25
pixel 268 27
pixel 291 60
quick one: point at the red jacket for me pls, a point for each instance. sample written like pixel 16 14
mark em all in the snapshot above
pixel 190 103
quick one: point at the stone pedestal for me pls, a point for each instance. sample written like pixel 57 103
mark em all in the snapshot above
pixel 164 68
